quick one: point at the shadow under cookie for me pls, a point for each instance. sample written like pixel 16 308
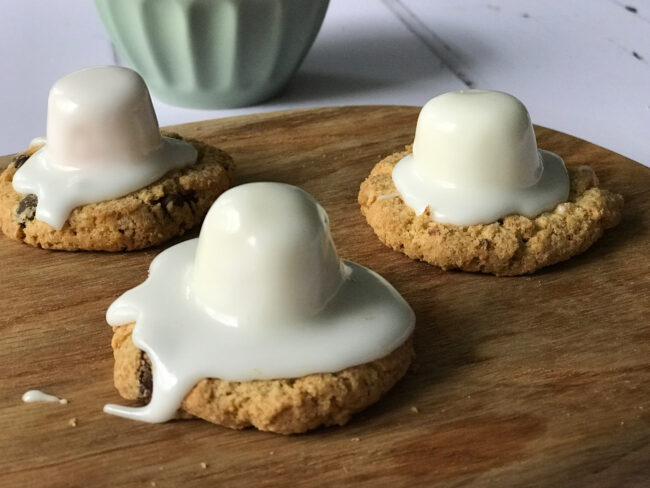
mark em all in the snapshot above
pixel 144 218
pixel 284 406
pixel 513 245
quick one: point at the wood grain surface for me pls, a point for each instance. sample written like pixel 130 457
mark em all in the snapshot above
pixel 526 381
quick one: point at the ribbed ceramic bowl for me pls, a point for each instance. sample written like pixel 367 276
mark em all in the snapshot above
pixel 213 53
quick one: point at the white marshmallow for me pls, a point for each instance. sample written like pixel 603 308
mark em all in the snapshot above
pixel 475 160
pixel 100 115
pixel 103 142
pixel 476 138
pixel 251 273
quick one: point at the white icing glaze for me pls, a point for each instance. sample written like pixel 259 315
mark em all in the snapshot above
pixel 60 191
pixel 103 142
pixel 261 294
pixel 32 396
pixel 38 141
pixel 475 160
pixel 474 205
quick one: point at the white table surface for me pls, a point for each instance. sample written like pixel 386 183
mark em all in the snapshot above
pixel 581 67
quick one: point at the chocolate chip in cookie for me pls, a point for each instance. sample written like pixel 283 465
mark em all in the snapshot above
pixel 26 209
pixel 145 377
pixel 20 159
pixel 172 200
pixel 190 196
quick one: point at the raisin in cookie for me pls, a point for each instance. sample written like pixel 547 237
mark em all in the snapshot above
pixel 513 245
pixel 284 406
pixel 147 217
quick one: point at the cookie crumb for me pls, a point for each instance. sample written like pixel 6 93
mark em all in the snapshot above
pixel 355 439
pixel 63 401
pixel 415 409
pixel 72 422
pixel 204 465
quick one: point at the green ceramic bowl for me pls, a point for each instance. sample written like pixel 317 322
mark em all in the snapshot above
pixel 213 53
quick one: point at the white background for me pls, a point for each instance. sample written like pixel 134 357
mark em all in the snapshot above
pixel 581 67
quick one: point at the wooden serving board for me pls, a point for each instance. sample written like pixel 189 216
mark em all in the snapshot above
pixel 530 381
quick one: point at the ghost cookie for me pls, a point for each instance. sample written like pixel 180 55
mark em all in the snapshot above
pixel 106 178
pixel 258 322
pixel 474 193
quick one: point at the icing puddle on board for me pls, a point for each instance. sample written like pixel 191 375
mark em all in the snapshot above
pixel 37 396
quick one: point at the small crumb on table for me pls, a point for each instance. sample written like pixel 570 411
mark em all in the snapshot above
pixel 72 422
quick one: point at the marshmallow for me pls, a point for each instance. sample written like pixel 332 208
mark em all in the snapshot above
pixel 103 142
pixel 100 115
pixel 251 273
pixel 475 160
pixel 477 138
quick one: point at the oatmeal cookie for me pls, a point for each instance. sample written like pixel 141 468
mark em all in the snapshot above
pixel 514 245
pixel 147 217
pixel 284 406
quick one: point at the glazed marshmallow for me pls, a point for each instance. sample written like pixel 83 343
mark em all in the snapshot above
pixel 251 274
pixel 477 138
pixel 100 115
pixel 475 160
pixel 103 142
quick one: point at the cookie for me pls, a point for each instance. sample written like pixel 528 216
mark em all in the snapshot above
pixel 147 217
pixel 514 245
pixel 284 406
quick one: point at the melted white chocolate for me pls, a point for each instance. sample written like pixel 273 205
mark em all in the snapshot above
pixel 475 160
pixel 103 142
pixel 260 295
